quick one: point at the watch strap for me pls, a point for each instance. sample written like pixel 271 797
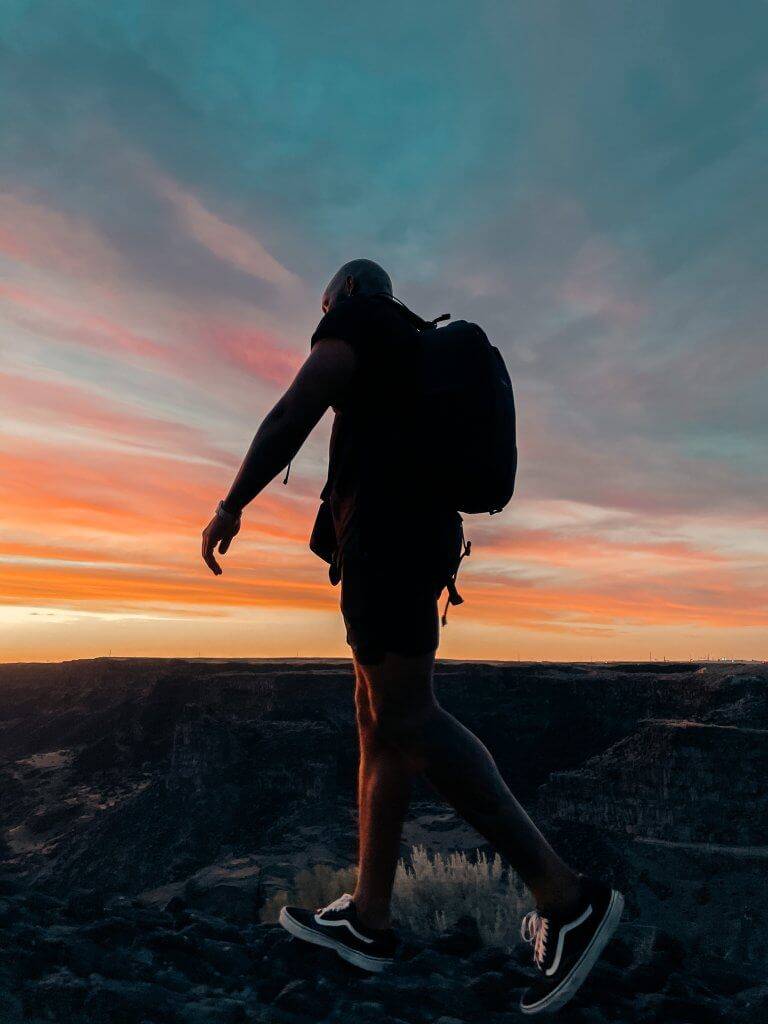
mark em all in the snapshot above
pixel 227 517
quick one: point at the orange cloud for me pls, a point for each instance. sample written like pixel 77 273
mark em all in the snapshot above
pixel 572 550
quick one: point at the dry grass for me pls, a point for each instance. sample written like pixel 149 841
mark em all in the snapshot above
pixel 431 893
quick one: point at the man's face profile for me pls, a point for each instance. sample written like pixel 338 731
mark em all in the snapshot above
pixel 339 287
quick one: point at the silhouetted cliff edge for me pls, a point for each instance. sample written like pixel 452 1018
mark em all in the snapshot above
pixel 133 785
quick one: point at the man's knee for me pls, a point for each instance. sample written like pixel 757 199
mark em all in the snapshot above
pixel 398 698
pixel 400 721
pixel 363 709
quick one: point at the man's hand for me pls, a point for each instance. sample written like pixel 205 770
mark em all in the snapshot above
pixel 220 532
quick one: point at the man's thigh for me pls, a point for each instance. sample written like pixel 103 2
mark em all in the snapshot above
pixel 389 604
pixel 398 684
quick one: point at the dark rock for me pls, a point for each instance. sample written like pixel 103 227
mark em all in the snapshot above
pixel 415 996
pixel 173 979
pixel 11 886
pixel 38 952
pixel 84 957
pixel 225 957
pixel 686 1011
pixel 172 949
pixel 268 985
pixel 298 996
pixel 300 958
pixel 110 930
pixel 8 912
pixel 462 939
pixel 491 990
pixel 118 904
pixel 651 976
pixel 175 906
pixel 119 1002
pixel 214 1011
pixel 11 1007
pixel 604 977
pixel 166 941
pixel 214 928
pixel 407 950
pixel 723 978
pixel 85 904
pixel 58 996
pixel 492 958
pixel 43 903
pixel 755 999
pixel 619 953
pixel 267 936
pixel 428 961
pixel 231 890
pixel 670 945
pixel 582 1015
pixel 514 974
pixel 149 920
pixel 352 1010
pixel 686 986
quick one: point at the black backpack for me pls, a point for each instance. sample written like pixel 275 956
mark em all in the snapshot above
pixel 467 419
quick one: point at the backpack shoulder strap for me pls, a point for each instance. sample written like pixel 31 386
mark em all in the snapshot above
pixel 413 318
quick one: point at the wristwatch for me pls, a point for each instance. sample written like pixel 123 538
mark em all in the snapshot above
pixel 227 517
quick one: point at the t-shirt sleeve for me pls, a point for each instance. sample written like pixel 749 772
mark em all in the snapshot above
pixel 349 321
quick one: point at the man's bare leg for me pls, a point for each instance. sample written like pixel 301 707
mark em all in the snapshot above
pixel 406 716
pixel 383 792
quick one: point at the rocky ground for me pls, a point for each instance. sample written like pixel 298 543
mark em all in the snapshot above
pixel 118 962
pixel 150 807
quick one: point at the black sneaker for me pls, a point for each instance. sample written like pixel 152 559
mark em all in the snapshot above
pixel 338 927
pixel 565 949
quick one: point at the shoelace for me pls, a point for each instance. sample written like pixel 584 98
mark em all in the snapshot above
pixel 535 929
pixel 338 904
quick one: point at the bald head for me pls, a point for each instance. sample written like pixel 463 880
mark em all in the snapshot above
pixel 358 277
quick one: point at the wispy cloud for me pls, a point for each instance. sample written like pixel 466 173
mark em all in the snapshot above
pixel 226 241
pixel 176 190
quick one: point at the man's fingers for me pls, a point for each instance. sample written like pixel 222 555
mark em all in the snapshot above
pixel 212 564
pixel 210 561
pixel 213 536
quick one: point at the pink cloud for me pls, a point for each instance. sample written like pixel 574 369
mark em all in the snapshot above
pixel 73 323
pixel 66 404
pixel 255 352
pixel 33 234
pixel 593 284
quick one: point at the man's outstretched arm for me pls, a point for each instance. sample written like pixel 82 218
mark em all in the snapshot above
pixel 322 381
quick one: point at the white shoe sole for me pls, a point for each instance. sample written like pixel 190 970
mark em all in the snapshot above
pixel 571 984
pixel 352 956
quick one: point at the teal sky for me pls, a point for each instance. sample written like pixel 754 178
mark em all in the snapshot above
pixel 585 179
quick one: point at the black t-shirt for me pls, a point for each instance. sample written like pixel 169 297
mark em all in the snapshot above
pixel 375 465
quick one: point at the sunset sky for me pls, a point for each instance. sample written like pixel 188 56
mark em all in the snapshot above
pixel 587 180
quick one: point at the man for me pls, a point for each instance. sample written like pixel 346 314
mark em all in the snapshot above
pixel 394 548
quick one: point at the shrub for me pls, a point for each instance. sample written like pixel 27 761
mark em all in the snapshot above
pixel 431 893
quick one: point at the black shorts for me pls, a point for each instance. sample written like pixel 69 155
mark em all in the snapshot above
pixel 390 588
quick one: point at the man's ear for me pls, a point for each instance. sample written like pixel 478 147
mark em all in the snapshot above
pixel 351 284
